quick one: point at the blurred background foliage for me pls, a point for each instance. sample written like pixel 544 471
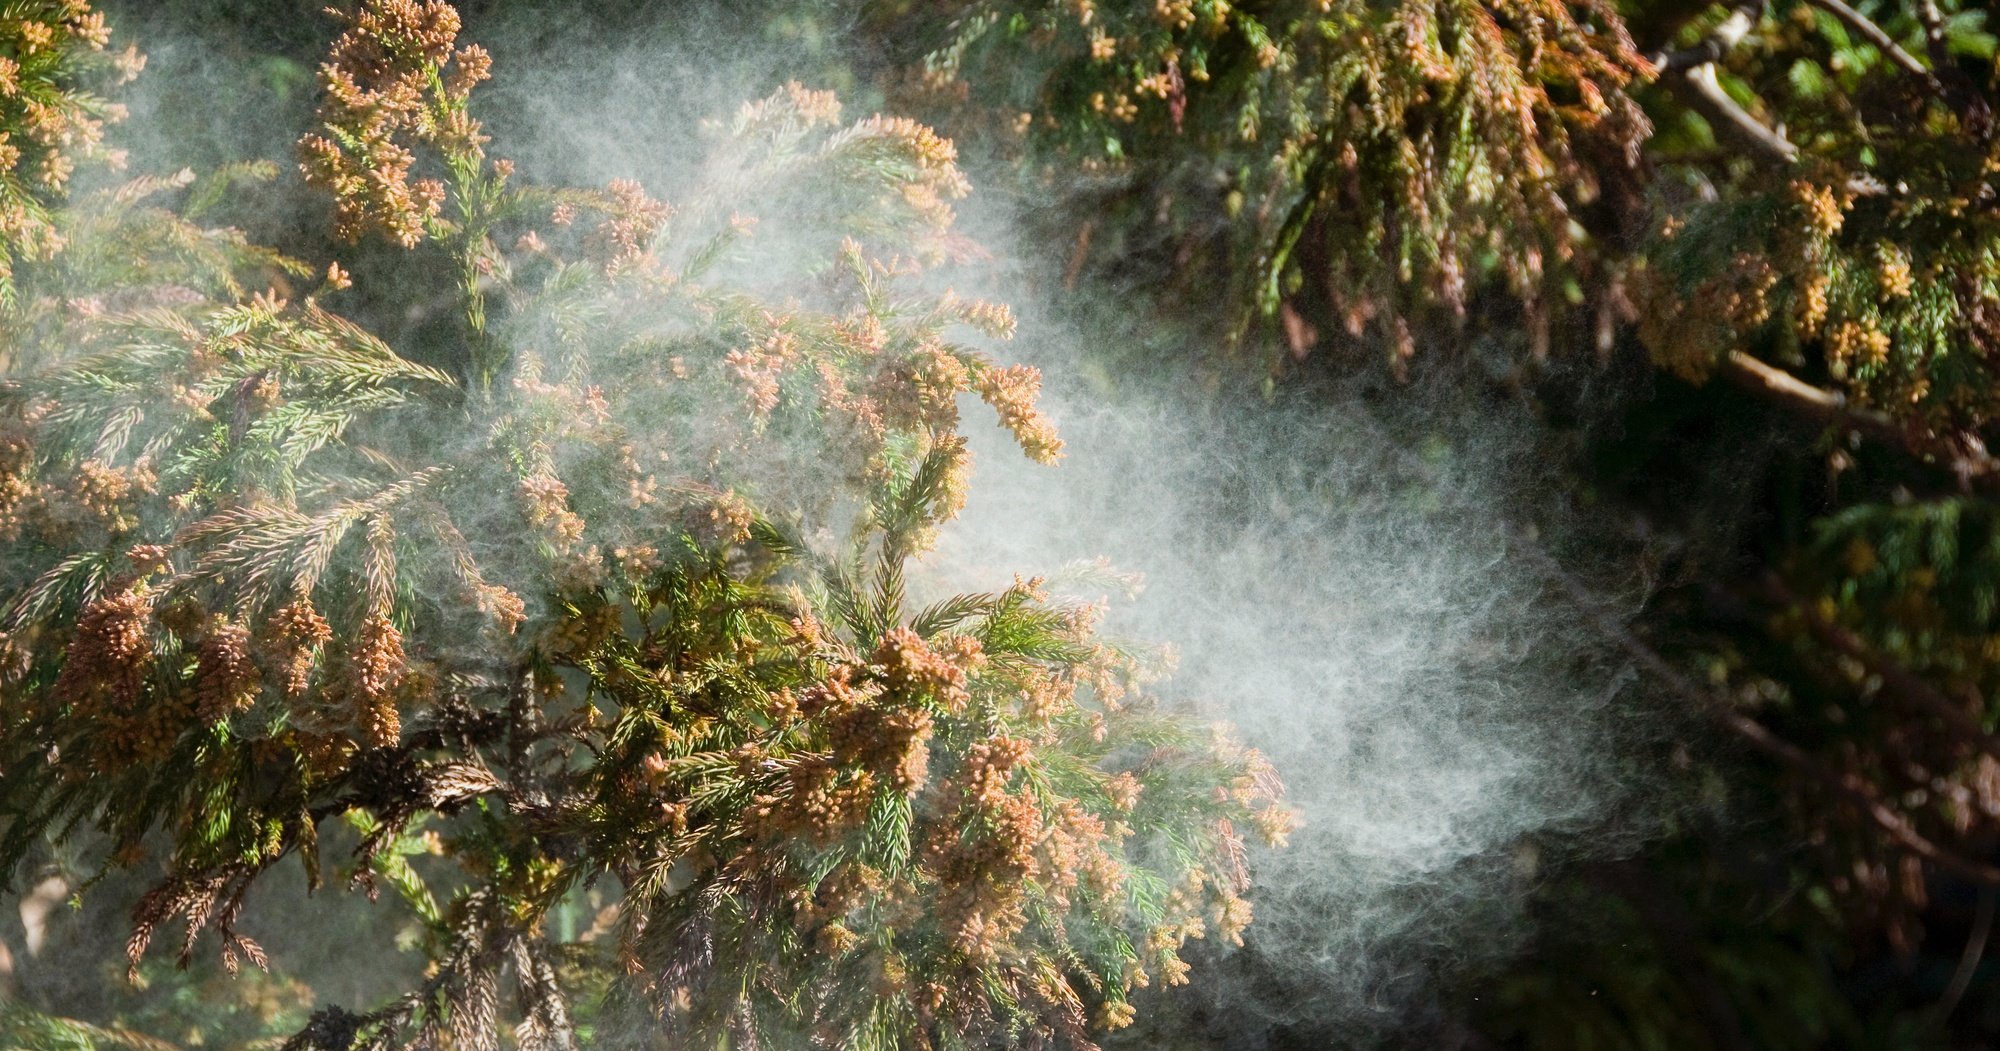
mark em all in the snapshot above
pixel 1738 262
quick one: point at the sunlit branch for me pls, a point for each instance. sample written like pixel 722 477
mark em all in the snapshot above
pixel 1934 41
pixel 1725 36
pixel 1692 70
pixel 1705 93
pixel 1962 454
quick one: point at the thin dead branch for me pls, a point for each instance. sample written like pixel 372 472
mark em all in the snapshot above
pixel 1866 28
pixel 1968 961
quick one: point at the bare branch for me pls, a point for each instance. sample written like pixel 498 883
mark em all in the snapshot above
pixel 1704 93
pixel 1699 87
pixel 1690 72
pixel 1825 406
pixel 1934 41
pixel 1968 961
pixel 1875 35
pixel 1963 454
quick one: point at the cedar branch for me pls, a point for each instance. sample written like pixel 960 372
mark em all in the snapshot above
pixel 1965 455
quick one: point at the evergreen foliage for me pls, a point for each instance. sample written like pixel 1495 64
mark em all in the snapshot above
pixel 1411 151
pixel 617 593
pixel 51 118
pixel 505 593
pixel 1797 198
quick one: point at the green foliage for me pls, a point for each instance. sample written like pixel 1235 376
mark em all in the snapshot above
pixel 533 507
pixel 1869 264
pixel 1386 162
pixel 621 602
pixel 51 119
pixel 1796 197
pixel 24 1027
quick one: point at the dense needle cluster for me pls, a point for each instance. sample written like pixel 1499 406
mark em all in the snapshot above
pixel 619 604
pixel 381 107
pixel 1411 151
pixel 52 54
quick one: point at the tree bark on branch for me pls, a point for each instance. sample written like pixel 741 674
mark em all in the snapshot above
pixel 1690 73
pixel 1875 35
pixel 1964 455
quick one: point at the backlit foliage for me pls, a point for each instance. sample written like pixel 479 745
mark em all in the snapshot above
pixel 1782 219
pixel 623 600
pixel 1873 263
pixel 54 55
pixel 1411 151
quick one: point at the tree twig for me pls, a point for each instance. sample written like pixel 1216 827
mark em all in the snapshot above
pixel 1963 454
pixel 1968 961
pixel 1699 87
pixel 1726 35
pixel 1875 35
pixel 1695 76
pixel 1691 73
pixel 1826 406
pixel 1934 40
